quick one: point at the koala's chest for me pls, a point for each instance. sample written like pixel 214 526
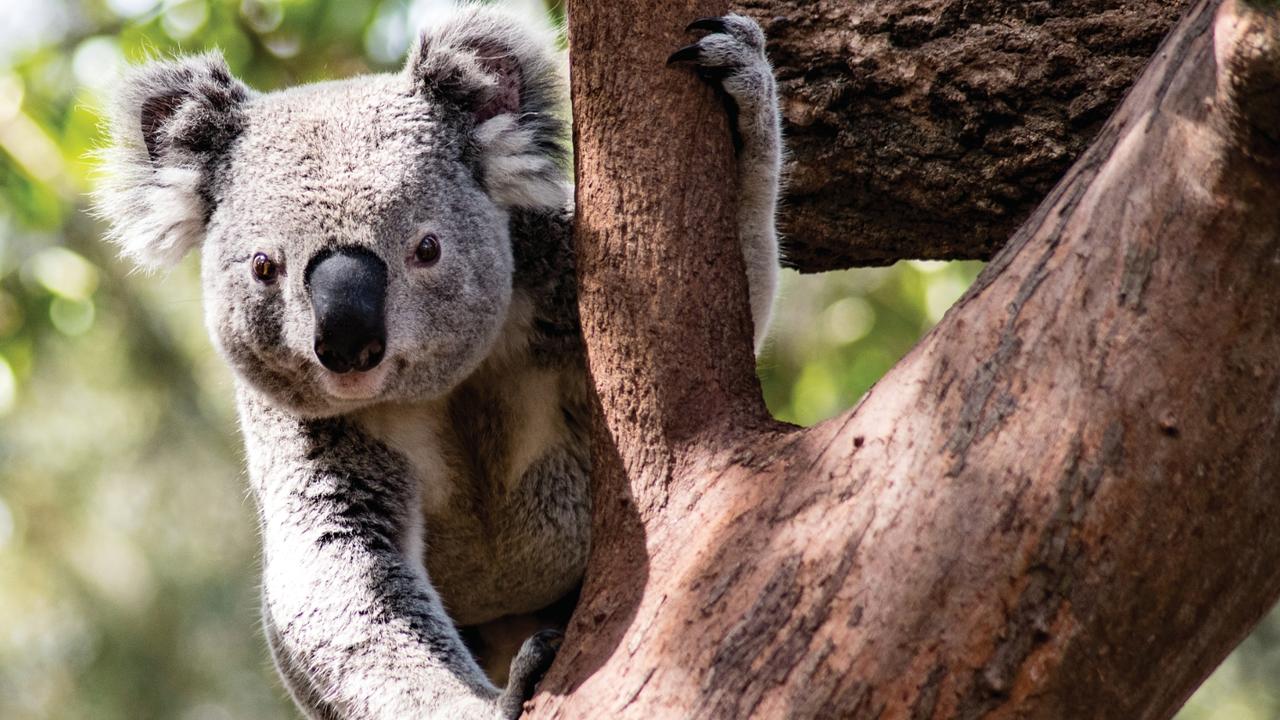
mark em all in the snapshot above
pixel 506 512
pixel 520 552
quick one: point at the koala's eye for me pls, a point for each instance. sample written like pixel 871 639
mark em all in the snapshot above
pixel 265 270
pixel 428 250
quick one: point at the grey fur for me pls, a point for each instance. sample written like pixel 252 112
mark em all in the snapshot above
pixel 739 53
pixel 447 487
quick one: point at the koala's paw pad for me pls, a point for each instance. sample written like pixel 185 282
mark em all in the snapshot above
pixel 527 668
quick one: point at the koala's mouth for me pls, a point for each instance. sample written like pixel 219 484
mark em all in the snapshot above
pixel 355 385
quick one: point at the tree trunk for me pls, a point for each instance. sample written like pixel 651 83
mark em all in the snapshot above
pixel 1061 504
pixel 932 128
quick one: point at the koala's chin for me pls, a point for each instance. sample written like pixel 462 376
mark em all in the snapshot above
pixel 295 386
pixel 304 388
pixel 316 394
pixel 357 387
pixel 340 394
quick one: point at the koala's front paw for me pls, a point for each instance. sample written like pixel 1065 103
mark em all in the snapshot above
pixel 527 668
pixel 732 54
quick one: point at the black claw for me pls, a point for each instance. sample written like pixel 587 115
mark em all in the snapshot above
pixel 552 638
pixel 711 24
pixel 689 53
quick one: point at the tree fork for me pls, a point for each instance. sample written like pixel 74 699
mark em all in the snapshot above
pixel 1061 503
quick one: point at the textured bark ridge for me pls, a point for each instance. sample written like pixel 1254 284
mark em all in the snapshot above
pixel 1061 504
pixel 932 128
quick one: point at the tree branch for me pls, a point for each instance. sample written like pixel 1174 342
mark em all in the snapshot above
pixel 932 129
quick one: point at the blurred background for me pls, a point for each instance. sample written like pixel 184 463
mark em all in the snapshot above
pixel 128 549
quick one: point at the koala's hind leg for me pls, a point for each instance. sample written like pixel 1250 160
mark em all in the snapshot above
pixel 497 644
pixel 732 55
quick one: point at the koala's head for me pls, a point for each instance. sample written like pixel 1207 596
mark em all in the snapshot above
pixel 354 234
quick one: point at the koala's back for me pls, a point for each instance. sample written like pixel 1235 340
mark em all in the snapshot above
pixel 504 458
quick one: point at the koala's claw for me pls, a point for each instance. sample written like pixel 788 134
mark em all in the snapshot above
pixel 731 57
pixel 733 43
pixel 527 668
pixel 688 53
pixel 710 24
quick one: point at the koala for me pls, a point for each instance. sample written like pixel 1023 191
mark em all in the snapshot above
pixel 387 268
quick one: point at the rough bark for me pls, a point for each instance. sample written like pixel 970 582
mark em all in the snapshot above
pixel 1061 504
pixel 932 128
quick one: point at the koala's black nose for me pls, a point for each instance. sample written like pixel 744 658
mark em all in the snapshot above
pixel 348 290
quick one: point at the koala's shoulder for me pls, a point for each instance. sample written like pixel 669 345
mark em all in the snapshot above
pixel 542 245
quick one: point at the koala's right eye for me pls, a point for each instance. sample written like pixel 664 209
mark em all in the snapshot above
pixel 428 250
pixel 265 270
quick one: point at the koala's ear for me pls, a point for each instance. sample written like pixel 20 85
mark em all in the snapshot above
pixel 170 123
pixel 506 76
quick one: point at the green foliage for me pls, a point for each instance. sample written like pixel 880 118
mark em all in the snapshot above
pixel 837 333
pixel 128 549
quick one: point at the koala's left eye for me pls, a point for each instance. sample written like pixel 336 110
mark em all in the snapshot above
pixel 265 270
pixel 427 253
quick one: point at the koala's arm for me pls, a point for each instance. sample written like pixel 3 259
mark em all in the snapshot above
pixel 354 625
pixel 733 53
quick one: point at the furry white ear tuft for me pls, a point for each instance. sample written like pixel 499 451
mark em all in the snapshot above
pixel 517 171
pixel 169 122
pixel 500 70
pixel 156 218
